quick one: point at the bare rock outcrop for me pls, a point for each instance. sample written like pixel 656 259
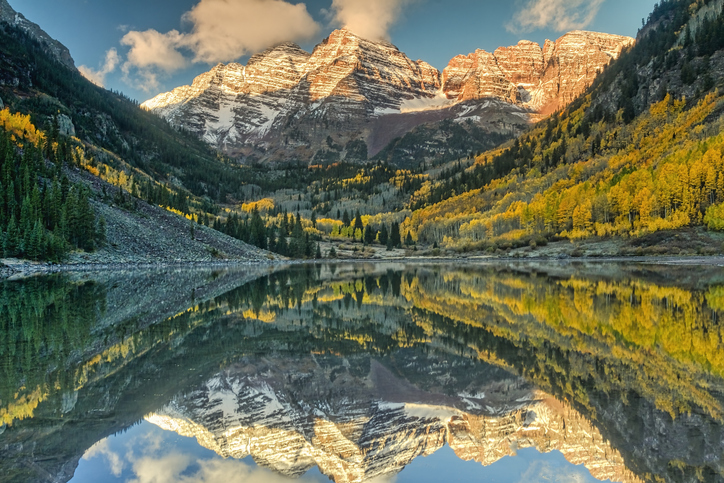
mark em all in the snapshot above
pixel 541 79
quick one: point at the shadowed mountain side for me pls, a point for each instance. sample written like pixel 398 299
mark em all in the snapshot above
pixel 409 139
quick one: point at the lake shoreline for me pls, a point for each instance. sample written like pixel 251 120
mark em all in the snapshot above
pixel 23 268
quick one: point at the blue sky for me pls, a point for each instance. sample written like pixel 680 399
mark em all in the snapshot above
pixel 144 47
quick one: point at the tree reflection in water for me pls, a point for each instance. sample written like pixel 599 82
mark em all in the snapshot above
pixel 359 369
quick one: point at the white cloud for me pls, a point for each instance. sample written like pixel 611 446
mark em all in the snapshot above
pixel 102 448
pixel 555 472
pixel 98 77
pixel 220 31
pixel 226 30
pixel 151 49
pixel 174 468
pixel 143 79
pixel 560 15
pixel 371 19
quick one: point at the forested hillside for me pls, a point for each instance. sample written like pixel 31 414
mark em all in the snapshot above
pixel 42 214
pixel 55 122
pixel 37 84
pixel 641 151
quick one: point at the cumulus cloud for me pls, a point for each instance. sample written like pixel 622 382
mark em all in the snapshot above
pixel 225 30
pixel 219 31
pixel 175 468
pixel 371 19
pixel 98 77
pixel 154 49
pixel 560 15
pixel 555 471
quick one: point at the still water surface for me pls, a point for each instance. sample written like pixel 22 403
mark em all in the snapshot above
pixel 365 372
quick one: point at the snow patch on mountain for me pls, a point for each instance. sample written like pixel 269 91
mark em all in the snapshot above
pixel 439 101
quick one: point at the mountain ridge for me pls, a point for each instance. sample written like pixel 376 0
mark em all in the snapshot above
pixel 54 47
pixel 348 85
pixel 360 428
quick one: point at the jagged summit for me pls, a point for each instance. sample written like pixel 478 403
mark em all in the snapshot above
pixel 288 104
pixel 542 79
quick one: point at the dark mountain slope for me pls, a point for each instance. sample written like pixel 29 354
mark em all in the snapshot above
pixel 130 155
pixel 35 83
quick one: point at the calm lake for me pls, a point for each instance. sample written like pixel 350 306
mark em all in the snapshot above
pixel 352 372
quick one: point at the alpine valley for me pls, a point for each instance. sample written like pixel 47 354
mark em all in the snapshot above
pixel 517 268
pixel 356 151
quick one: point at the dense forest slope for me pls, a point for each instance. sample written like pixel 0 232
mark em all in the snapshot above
pixel 85 169
pixel 640 151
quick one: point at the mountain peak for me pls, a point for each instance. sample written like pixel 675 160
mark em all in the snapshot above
pixel 523 73
pixel 348 86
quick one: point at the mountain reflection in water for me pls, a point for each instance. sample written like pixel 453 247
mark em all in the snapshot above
pixel 356 370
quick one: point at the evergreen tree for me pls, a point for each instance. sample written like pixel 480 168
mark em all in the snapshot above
pixel 308 246
pixel 11 242
pixel 369 235
pixel 395 237
pixel 258 230
pixel 358 225
pixel 297 245
pixel 101 231
pixel 384 235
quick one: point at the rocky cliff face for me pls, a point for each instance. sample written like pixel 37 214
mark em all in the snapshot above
pixel 540 79
pixel 294 415
pixel 288 104
pixel 52 46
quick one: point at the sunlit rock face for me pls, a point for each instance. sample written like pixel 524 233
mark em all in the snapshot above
pixel 541 79
pixel 289 104
pixel 299 99
pixel 292 415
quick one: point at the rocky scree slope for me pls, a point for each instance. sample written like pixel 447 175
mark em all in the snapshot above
pixel 351 97
pixel 140 233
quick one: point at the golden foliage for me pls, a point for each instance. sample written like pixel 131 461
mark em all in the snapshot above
pixel 263 205
pixel 20 127
pixel 657 173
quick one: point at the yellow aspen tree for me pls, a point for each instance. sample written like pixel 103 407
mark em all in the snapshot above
pixel 644 202
pixel 582 216
pixel 710 185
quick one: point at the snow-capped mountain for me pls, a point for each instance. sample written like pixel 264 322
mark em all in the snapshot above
pixel 287 104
